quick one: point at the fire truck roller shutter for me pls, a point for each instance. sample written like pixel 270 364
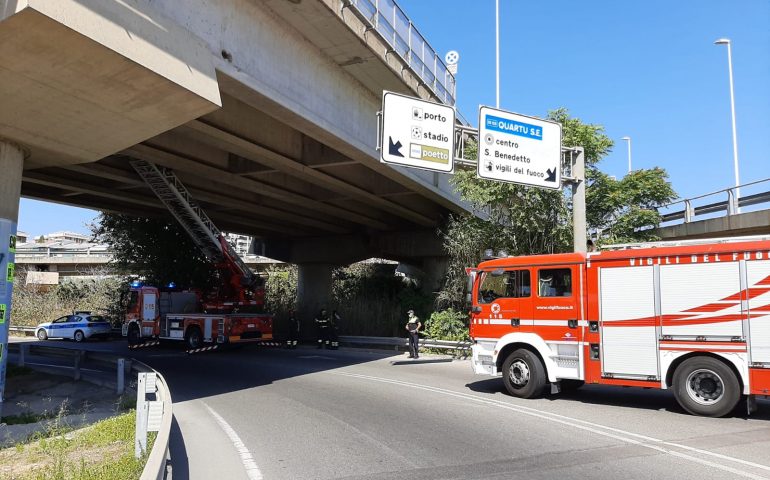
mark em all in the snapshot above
pixel 694 300
pixel 758 273
pixel 629 338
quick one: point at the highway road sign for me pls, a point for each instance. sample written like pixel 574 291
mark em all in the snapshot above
pixel 416 133
pixel 519 149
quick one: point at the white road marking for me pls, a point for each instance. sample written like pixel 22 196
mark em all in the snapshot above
pixel 252 470
pixel 603 430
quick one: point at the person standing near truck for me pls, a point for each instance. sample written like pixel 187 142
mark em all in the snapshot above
pixel 293 335
pixel 413 327
pixel 323 323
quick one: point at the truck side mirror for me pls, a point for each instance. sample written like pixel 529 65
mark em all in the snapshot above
pixel 469 288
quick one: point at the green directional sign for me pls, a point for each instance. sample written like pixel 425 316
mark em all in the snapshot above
pixel 3 309
pixel 11 271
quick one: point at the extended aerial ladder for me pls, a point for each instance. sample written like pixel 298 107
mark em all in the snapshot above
pixel 241 285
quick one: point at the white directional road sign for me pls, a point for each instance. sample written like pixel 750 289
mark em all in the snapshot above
pixel 416 133
pixel 519 149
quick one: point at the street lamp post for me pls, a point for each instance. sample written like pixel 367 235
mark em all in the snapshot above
pixel 726 41
pixel 497 52
pixel 628 139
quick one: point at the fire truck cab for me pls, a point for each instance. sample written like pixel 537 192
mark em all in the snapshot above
pixel 692 318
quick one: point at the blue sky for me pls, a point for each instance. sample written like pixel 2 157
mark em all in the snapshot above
pixel 643 68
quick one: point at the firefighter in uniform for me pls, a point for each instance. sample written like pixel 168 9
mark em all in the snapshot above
pixel 334 328
pixel 413 327
pixel 293 335
pixel 324 325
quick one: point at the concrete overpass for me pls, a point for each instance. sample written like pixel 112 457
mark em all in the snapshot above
pixel 264 109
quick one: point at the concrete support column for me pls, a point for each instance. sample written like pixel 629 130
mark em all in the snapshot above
pixel 11 166
pixel 434 273
pixel 314 292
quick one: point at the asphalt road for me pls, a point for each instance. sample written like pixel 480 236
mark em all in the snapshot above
pixel 317 414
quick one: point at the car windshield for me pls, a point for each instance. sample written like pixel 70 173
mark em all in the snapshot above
pixel 60 320
pixel 96 318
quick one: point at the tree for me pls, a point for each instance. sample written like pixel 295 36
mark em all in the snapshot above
pixel 625 210
pixel 525 220
pixel 155 249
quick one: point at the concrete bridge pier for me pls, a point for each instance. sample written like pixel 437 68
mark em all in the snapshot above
pixel 314 292
pixel 11 167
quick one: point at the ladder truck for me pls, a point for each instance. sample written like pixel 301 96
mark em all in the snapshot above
pixel 692 317
pixel 223 316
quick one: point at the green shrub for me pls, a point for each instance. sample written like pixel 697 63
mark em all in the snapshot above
pixel 448 325
pixel 33 304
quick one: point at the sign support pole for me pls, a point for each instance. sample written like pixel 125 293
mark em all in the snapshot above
pixel 580 240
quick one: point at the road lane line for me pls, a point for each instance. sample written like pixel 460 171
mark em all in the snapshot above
pixel 252 470
pixel 603 430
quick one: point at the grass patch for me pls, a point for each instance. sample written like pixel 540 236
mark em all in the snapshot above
pixel 103 451
pixel 27 417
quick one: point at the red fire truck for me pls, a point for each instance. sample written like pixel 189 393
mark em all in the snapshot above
pixel 693 317
pixel 167 315
pixel 227 315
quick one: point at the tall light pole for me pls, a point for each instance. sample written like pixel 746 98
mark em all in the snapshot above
pixel 726 41
pixel 497 51
pixel 628 139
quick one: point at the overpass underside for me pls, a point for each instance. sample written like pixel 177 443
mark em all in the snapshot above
pixel 266 110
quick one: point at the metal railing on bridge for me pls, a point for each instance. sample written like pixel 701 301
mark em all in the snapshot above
pixel 704 205
pixel 386 18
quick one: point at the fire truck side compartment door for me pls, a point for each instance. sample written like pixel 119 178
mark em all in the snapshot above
pixel 758 272
pixel 148 307
pixel 692 291
pixel 628 321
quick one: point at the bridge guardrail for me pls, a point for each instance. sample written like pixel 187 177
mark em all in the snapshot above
pixel 157 460
pixel 391 23
pixel 730 205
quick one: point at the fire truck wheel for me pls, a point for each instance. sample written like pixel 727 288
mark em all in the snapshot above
pixel 706 386
pixel 133 334
pixel 523 374
pixel 193 338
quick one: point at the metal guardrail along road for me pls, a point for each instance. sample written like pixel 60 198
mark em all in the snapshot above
pixel 404 342
pixel 157 460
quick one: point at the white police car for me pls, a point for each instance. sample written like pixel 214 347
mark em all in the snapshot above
pixel 78 326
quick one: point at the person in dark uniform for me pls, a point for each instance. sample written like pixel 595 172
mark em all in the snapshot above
pixel 335 325
pixel 323 323
pixel 413 327
pixel 293 336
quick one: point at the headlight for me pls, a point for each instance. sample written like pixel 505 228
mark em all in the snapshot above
pixel 486 360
